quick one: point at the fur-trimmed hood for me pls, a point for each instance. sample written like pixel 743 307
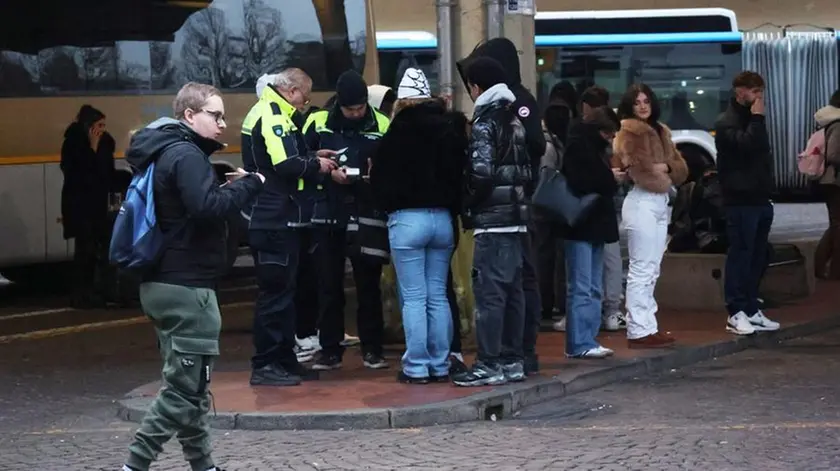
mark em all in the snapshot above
pixel 638 147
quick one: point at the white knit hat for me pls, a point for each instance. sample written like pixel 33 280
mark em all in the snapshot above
pixel 263 81
pixel 414 85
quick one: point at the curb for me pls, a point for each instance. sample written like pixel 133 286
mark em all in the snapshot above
pixel 497 404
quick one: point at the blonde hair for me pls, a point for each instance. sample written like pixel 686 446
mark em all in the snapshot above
pixel 192 96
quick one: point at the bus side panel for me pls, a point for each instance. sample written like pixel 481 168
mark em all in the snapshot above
pixel 22 228
pixel 58 249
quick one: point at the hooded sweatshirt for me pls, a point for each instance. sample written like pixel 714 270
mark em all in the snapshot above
pixel 190 205
pixel 504 51
pixel 828 118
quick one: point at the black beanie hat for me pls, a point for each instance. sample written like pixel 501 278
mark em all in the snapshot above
pixel 351 89
pixel 485 72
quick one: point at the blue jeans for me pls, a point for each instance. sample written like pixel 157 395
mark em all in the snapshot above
pixel 422 241
pixel 747 228
pixel 584 280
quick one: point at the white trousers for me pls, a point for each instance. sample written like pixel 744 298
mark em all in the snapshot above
pixel 646 217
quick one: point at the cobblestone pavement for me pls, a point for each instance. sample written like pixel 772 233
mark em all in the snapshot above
pixel 759 410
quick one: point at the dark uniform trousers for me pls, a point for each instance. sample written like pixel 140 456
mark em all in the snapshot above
pixel 367 273
pixel 278 255
pixel 187 322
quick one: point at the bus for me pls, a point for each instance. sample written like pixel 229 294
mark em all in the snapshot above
pixel 128 59
pixel 687 56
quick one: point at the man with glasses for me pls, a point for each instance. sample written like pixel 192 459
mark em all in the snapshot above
pixel 280 221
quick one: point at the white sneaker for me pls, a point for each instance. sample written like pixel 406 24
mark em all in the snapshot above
pixel 349 341
pixel 760 322
pixel 560 326
pixel 306 348
pixel 304 356
pixel 596 353
pixel 613 322
pixel 740 324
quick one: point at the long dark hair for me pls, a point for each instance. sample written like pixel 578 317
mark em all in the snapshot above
pixel 625 107
pixel 89 115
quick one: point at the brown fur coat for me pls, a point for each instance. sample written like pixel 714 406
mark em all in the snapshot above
pixel 637 147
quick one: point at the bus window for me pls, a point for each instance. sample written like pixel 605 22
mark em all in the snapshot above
pixel 692 81
pixel 157 47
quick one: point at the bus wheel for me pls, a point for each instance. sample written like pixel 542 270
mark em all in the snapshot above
pixel 697 159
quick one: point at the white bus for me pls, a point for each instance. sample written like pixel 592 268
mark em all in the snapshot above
pixel 687 56
pixel 128 59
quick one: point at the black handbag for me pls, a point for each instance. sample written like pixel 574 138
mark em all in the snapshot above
pixel 558 201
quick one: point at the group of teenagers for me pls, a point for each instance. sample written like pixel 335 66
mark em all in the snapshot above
pixel 430 167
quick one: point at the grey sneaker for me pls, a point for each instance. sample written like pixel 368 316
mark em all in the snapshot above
pixel 480 375
pixel 514 372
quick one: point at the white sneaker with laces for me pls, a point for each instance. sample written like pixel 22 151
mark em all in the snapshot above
pixel 740 324
pixel 613 322
pixel 560 326
pixel 761 323
pixel 597 352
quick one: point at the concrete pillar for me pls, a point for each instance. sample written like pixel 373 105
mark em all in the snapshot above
pixel 519 28
pixel 470 29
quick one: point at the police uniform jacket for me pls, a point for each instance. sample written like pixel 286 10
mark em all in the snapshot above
pixel 292 173
pixel 351 205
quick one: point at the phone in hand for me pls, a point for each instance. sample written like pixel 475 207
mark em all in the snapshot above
pixel 233 176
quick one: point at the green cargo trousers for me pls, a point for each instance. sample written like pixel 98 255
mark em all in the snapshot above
pixel 188 322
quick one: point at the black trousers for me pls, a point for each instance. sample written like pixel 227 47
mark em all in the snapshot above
pixel 367 274
pixel 277 255
pixel 315 263
pixel 455 346
pixel 89 265
pixel 497 277
pixel 747 228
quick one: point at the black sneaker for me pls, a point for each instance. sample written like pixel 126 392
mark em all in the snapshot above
pixel 532 365
pixel 514 371
pixel 456 366
pixel 305 373
pixel 480 375
pixel 405 379
pixel 326 362
pixel 374 361
pixel 271 375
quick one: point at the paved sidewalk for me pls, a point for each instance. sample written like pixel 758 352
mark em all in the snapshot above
pixel 356 398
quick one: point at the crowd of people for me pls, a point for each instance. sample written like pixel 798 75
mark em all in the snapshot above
pixel 382 176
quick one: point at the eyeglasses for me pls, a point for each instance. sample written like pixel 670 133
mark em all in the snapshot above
pixel 217 115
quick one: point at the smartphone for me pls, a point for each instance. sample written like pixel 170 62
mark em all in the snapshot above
pixel 233 176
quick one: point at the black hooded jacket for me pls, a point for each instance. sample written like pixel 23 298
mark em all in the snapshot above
pixel 88 178
pixel 189 201
pixel 504 51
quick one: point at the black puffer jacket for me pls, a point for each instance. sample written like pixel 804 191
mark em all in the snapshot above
pixel 744 160
pixel 499 176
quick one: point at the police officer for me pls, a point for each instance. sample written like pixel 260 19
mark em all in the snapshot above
pixel 279 224
pixel 357 230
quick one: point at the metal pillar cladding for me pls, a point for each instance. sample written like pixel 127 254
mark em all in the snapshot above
pixel 495 18
pixel 801 72
pixel 446 48
pixel 519 28
pixel 469 22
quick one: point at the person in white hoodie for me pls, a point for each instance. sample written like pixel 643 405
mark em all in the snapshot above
pixel 828 118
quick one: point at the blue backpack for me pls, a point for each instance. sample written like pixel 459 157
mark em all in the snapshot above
pixel 137 241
